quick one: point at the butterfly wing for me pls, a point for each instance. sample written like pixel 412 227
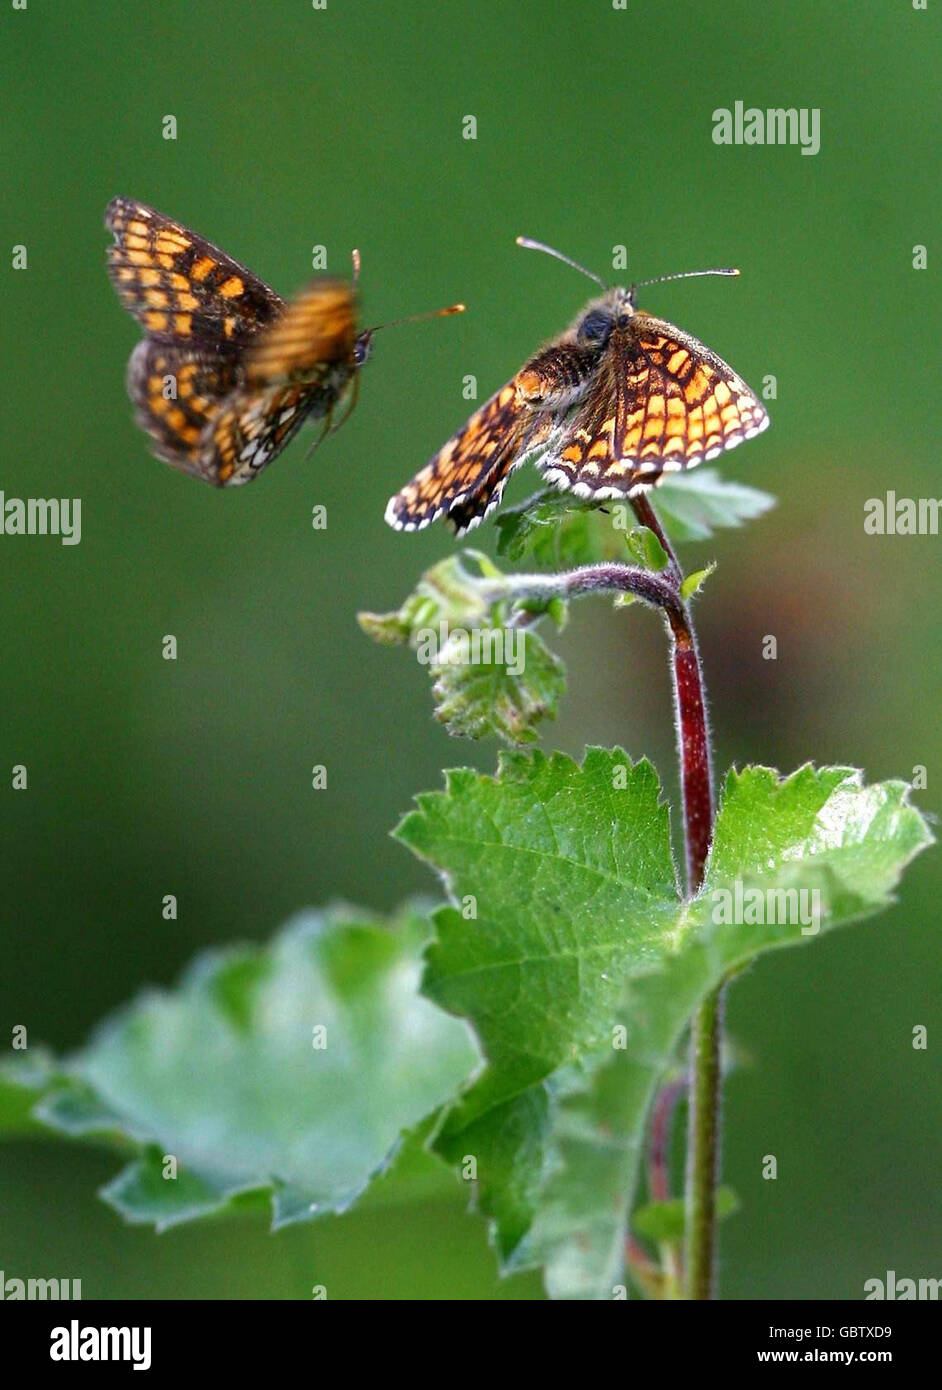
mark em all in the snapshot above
pixel 296 370
pixel 209 426
pixel 177 391
pixel 469 473
pixel 465 479
pixel 248 430
pixel 202 419
pixel 661 402
pixel 179 286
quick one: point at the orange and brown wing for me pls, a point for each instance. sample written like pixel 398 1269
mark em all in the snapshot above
pixel 201 419
pixel 249 429
pixel 662 402
pixel 177 392
pixel 466 478
pixel 179 286
pixel 296 370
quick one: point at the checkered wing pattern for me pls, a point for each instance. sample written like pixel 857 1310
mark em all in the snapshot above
pixel 662 402
pixel 178 285
pixel 177 392
pixel 248 430
pixel 227 372
pixel 465 480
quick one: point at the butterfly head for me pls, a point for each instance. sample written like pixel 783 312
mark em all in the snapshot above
pixel 363 347
pixel 595 324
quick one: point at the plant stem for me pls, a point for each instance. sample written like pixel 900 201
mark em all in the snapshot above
pixel 663 590
pixel 659 1190
pixel 654 589
pixel 693 731
pixel 703 1145
pixel 704 1109
pixel 659 1154
pixel 693 738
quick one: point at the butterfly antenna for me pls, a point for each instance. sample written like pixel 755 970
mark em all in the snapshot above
pixel 412 318
pixel 684 275
pixel 417 318
pixel 550 251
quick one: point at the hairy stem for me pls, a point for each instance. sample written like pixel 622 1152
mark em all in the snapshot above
pixel 696 776
pixel 693 738
pixel 658 590
pixel 703 1143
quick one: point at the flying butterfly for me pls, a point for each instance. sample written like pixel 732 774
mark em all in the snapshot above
pixel 607 409
pixel 228 371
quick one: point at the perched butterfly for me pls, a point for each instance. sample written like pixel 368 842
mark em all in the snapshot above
pixel 610 407
pixel 228 372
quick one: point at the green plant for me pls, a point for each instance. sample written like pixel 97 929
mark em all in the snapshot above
pixel 659 958
pixel 299 1074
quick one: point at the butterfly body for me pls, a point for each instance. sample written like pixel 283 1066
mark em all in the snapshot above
pixel 228 371
pixel 606 409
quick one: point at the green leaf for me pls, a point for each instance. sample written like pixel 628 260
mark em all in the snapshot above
pixel 506 696
pixel 491 673
pixel 560 530
pixel 571 875
pixel 692 506
pixel 695 581
pixel 451 593
pixel 558 611
pixel 664 1221
pixel 222 1074
pixel 581 965
pixel 646 549
pixel 21 1076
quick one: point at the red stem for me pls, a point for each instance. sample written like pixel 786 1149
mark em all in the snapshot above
pixel 693 732
pixel 705 1097
pixel 659 1153
pixel 694 743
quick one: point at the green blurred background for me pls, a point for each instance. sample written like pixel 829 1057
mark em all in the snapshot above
pixel 146 777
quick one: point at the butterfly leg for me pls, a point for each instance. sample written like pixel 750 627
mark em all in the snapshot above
pixel 351 403
pixel 322 436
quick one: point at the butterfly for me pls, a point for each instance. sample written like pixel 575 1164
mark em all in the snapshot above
pixel 228 371
pixel 607 409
